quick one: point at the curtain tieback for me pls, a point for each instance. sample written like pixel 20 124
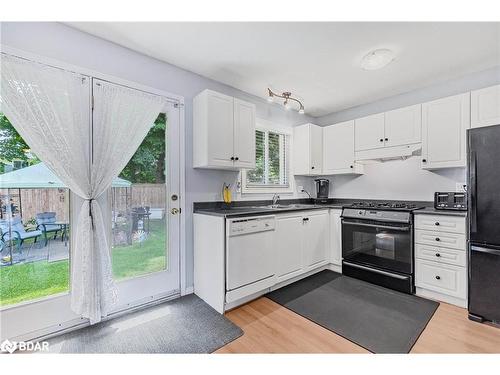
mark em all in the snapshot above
pixel 91 212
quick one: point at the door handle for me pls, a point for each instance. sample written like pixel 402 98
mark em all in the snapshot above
pixel 175 211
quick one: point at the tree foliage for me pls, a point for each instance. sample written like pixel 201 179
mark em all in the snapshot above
pixel 148 163
pixel 12 145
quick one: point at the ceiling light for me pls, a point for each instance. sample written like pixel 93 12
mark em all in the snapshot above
pixel 287 96
pixel 377 59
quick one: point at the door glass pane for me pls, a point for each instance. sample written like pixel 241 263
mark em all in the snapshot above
pixel 34 223
pixel 139 244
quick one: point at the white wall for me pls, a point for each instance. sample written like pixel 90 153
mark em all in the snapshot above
pixel 64 43
pixel 396 180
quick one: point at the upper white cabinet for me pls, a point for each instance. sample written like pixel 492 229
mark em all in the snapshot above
pixel 308 150
pixel 403 126
pixel 444 125
pixel 399 127
pixel 369 132
pixel 223 132
pixel 485 107
pixel 338 149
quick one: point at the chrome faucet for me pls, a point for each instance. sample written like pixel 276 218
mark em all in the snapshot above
pixel 276 199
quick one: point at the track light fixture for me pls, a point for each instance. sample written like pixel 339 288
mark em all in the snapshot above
pixel 287 96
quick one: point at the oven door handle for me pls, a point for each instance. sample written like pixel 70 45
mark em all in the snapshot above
pixel 376 271
pixel 401 229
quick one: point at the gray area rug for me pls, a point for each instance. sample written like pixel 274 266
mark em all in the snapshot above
pixel 378 319
pixel 185 325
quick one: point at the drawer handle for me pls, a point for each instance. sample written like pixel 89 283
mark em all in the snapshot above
pixel 438 277
pixel 436 223
pixel 438 239
pixel 438 255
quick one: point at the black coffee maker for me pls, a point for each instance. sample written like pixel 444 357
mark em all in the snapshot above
pixel 322 188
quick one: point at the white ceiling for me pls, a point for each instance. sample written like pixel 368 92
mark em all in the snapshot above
pixel 318 62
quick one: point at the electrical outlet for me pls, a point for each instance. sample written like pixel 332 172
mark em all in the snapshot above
pixel 300 188
pixel 460 187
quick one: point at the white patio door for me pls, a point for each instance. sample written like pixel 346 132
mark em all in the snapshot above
pixel 145 217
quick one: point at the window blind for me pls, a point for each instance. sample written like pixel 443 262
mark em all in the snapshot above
pixel 271 160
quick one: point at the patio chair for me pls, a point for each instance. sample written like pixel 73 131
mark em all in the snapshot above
pixel 45 222
pixel 14 230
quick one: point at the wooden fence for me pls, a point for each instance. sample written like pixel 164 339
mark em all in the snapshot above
pixel 32 201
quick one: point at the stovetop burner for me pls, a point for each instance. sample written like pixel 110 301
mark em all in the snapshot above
pixel 385 205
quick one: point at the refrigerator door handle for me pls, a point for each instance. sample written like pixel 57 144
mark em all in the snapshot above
pixel 485 250
pixel 473 192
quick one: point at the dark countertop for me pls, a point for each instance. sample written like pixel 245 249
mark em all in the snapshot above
pixel 257 208
pixel 432 211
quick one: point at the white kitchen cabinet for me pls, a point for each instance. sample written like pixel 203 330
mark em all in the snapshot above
pixel 338 149
pixel 403 126
pixel 308 150
pixel 315 239
pixel 244 134
pixel 288 245
pixel 369 132
pixel 444 125
pixel 485 107
pixel 223 132
pixel 336 237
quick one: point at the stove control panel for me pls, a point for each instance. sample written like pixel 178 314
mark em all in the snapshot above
pixel 377 215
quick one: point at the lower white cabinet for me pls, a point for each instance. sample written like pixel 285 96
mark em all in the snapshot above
pixel 442 278
pixel 301 242
pixel 441 258
pixel 336 237
pixel 288 246
pixel 315 239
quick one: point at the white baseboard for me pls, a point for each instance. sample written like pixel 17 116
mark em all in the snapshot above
pixel 188 290
pixel 441 297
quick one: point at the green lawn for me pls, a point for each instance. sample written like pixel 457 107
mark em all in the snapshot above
pixel 22 282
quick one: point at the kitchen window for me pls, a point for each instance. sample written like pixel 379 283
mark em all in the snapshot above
pixel 272 166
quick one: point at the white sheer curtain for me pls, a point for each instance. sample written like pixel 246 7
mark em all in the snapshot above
pixel 50 108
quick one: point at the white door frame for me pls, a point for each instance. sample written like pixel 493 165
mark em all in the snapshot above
pixel 64 318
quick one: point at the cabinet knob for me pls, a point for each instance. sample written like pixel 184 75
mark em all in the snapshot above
pixel 438 277
pixel 438 255
pixel 381 139
pixel 312 167
pixel 424 160
pixel 232 157
pixel 386 139
pixel 236 158
pixel 436 223
pixel 305 219
pixel 352 166
pixel 438 239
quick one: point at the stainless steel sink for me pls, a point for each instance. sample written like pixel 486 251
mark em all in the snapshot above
pixel 288 206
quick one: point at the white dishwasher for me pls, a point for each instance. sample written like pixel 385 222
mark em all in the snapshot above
pixel 250 261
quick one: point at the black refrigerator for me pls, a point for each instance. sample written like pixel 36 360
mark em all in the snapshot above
pixel 483 171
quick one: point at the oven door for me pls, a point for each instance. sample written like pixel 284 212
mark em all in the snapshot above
pixel 387 246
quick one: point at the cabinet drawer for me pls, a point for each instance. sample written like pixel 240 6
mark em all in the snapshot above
pixel 441 278
pixel 441 223
pixel 441 255
pixel 441 239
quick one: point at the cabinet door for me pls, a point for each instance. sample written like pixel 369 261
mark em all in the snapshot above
pixel 301 154
pixel 315 241
pixel 316 149
pixel 288 246
pixel 244 134
pixel 369 132
pixel 403 126
pixel 444 125
pixel 335 237
pixel 338 148
pixel 485 107
pixel 220 133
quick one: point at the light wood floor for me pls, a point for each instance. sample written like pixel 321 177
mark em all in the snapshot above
pixel 271 328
